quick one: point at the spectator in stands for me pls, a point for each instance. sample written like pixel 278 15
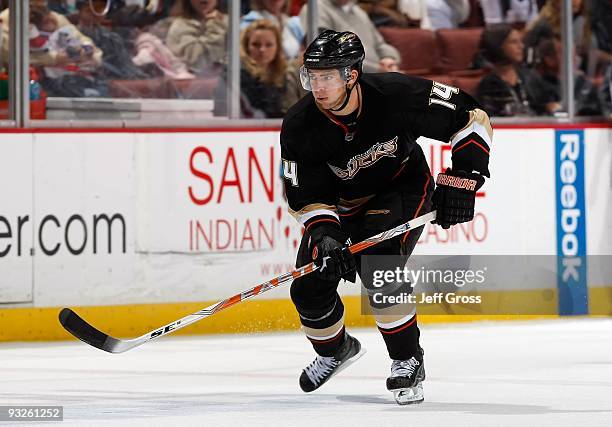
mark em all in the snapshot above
pixel 274 11
pixel 82 50
pixel 515 12
pixel 549 68
pixel 345 15
pixel 197 37
pixel 262 73
pixel 548 25
pixel 510 89
pixel 117 60
pixel 68 58
pixel 447 13
pixel 389 12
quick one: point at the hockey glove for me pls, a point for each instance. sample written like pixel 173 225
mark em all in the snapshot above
pixel 455 196
pixel 329 252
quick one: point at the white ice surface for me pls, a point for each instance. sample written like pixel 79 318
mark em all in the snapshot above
pixel 553 373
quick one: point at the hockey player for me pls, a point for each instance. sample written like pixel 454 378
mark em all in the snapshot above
pixel 352 168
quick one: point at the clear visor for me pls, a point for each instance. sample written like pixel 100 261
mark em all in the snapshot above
pixel 316 80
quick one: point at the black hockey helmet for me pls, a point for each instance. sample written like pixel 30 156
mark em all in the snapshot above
pixel 334 49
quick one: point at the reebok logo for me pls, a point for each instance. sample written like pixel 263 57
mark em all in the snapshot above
pixel 571 223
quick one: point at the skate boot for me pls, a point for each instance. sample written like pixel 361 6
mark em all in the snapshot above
pixel 323 368
pixel 406 379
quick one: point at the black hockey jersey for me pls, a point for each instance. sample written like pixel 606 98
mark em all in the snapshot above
pixel 327 166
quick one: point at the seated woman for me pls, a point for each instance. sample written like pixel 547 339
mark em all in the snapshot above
pixel 197 37
pixel 510 89
pixel 262 74
pixel 273 11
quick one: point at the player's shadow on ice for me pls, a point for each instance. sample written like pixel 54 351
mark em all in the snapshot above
pixel 101 405
pixel 470 408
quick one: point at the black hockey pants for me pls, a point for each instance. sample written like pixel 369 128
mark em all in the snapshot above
pixel 317 301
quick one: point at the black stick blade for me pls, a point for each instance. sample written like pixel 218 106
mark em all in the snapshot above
pixel 78 327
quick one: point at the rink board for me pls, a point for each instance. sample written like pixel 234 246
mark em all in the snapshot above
pixel 157 224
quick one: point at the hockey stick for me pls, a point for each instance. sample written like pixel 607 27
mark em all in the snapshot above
pixel 78 327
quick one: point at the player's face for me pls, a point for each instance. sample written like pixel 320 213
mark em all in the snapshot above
pixel 262 47
pixel 328 87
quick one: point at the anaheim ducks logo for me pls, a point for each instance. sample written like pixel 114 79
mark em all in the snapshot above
pixel 367 159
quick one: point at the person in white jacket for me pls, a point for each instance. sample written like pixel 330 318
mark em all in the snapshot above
pixel 415 10
pixel 447 13
pixel 435 14
pixel 509 11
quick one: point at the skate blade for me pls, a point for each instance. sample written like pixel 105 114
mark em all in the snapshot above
pixel 409 396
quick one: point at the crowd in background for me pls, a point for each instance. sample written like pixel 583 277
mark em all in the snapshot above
pixel 81 49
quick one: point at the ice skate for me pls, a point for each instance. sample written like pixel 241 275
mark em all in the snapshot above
pixel 323 368
pixel 406 380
